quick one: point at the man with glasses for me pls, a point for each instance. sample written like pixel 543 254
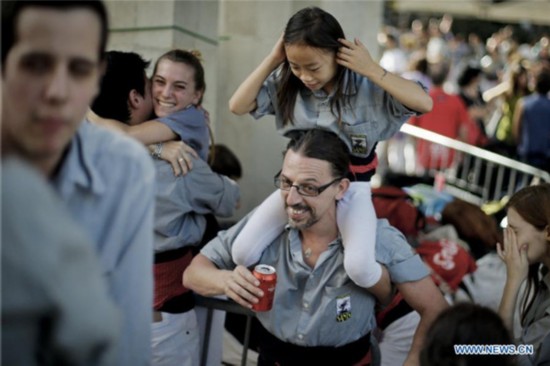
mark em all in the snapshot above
pixel 318 313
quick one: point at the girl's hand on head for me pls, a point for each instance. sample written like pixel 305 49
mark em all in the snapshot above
pixel 514 256
pixel 179 155
pixel 278 53
pixel 355 56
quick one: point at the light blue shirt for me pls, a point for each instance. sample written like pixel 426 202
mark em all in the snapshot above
pixel 321 306
pixel 535 127
pixel 107 183
pixel 371 115
pixel 50 275
pixel 191 126
pixel 183 201
pixel 537 329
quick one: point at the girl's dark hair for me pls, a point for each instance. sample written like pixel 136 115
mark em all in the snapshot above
pixel 225 162
pixel 322 145
pixel 533 205
pixel 465 324
pixel 316 28
pixel 191 58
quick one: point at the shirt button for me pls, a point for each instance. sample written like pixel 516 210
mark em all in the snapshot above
pixel 306 305
pixel 300 336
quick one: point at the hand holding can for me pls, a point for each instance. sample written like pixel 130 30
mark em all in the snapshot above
pixel 268 279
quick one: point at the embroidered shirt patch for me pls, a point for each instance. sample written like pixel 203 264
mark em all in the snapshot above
pixel 359 144
pixel 343 308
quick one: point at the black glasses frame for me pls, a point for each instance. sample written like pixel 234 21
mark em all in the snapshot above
pixel 299 187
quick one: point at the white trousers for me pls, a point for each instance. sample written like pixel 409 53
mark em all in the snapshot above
pixel 176 340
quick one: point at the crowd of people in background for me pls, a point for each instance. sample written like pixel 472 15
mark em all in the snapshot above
pixel 491 76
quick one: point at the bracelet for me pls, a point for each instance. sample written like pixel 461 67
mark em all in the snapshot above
pixel 384 74
pixel 158 151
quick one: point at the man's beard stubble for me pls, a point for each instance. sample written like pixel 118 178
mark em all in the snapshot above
pixel 311 220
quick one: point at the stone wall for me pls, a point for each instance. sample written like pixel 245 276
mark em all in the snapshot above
pixel 233 36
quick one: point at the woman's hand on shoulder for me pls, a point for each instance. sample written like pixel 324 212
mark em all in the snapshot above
pixel 355 56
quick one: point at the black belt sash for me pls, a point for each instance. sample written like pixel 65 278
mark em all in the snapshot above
pixel 273 352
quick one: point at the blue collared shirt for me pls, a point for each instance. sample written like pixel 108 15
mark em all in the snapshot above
pixel 537 329
pixel 191 126
pixel 50 274
pixel 321 306
pixel 107 182
pixel 372 114
pixel 183 201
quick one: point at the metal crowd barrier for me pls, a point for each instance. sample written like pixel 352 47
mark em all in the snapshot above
pixel 211 304
pixel 473 174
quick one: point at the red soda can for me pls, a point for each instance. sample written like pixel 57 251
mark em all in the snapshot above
pixel 268 279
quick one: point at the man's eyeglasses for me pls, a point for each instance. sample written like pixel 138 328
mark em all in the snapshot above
pixel 308 190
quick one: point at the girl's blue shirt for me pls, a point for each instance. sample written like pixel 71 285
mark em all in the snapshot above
pixel 191 126
pixel 370 116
